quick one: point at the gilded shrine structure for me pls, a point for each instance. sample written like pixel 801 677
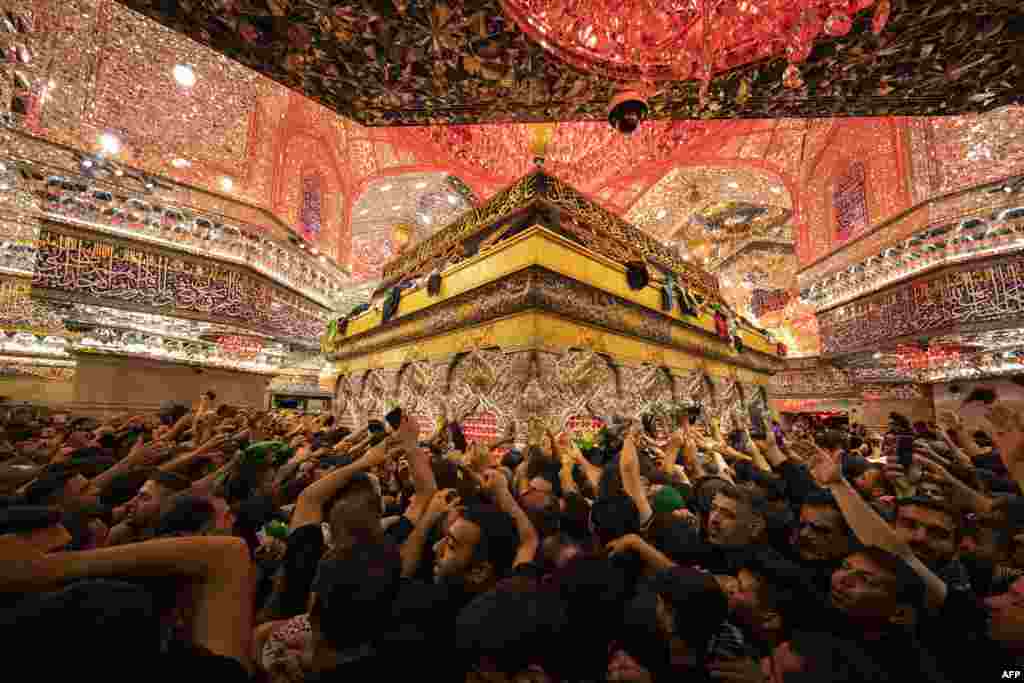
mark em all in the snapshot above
pixel 535 304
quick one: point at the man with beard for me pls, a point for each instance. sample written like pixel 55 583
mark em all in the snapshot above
pixel 932 530
pixel 985 553
pixel 765 597
pixel 143 511
pixel 347 498
pixel 822 538
pixel 482 543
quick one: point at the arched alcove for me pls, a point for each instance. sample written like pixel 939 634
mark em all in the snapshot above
pixel 425 201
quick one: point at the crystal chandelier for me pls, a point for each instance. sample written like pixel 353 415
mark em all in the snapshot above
pixel 678 40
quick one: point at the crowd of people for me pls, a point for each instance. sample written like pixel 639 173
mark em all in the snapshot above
pixel 281 547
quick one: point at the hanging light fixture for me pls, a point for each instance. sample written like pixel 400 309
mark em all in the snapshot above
pixel 668 40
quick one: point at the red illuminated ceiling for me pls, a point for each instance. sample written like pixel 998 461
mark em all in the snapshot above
pixel 678 40
pixel 98 67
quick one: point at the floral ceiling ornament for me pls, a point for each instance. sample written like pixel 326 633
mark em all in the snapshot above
pixel 418 62
pixel 681 40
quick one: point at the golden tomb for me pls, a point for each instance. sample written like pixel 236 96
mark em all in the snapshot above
pixel 534 317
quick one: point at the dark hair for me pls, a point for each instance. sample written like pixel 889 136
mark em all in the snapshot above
pixel 25 518
pixel 910 588
pixel 613 517
pixel 751 500
pixel 831 440
pixel 829 659
pixel 691 593
pixel 244 481
pixel 174 482
pixel 449 476
pixel 820 498
pixel 705 490
pixel 610 485
pixel 48 488
pixel 186 514
pixel 85 617
pixel 498 537
pixel 361 505
pixel 123 488
pixel 592 588
pixel 547 520
pixel 355 592
pixel 511 628
pixel 546 470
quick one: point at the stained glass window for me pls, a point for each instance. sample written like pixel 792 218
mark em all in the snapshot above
pixel 310 216
pixel 850 203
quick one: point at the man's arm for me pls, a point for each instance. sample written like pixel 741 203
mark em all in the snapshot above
pixel 443 502
pixel 224 596
pixel 496 485
pixel 186 460
pixel 963 495
pixel 1008 434
pixel 423 481
pixel 179 427
pixel 652 557
pixel 629 468
pixel 870 529
pixel 756 454
pixel 309 508
pixel 141 456
pixel 690 457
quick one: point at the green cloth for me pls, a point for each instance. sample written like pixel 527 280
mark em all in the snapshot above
pixel 668 499
pixel 276 529
pixel 267 452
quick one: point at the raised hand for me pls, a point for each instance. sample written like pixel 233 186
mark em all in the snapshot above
pixel 623 544
pixel 443 502
pixel 153 454
pixel 826 469
pixel 495 484
pixel 1007 432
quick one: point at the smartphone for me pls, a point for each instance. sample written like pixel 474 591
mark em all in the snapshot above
pixel 394 418
pixel 648 424
pixel 981 395
pixel 905 451
pixel 458 437
pixel 375 427
pixel 693 413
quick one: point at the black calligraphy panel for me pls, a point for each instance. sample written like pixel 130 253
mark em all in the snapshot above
pixel 117 273
pixel 982 293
